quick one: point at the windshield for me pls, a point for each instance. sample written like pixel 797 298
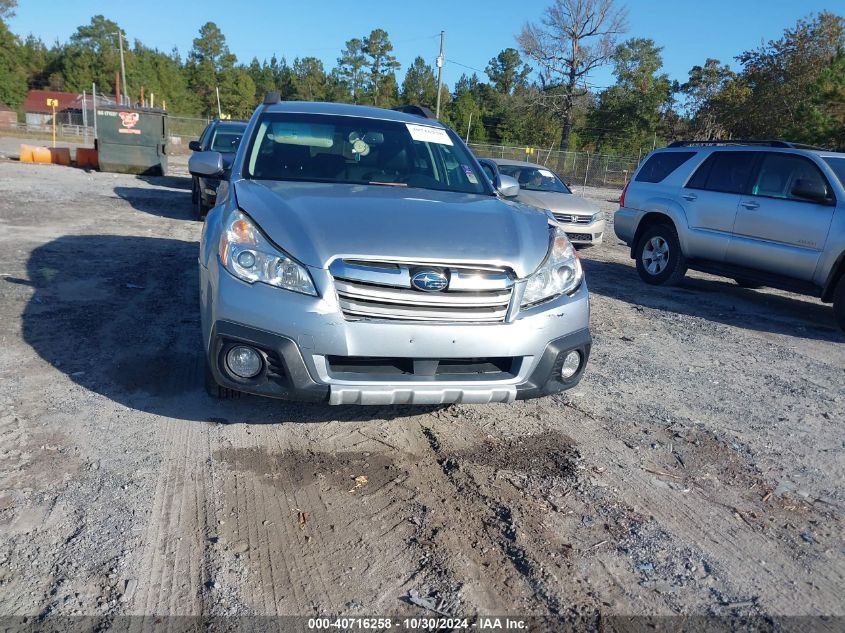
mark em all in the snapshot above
pixel 837 164
pixel 533 178
pixel 356 150
pixel 226 138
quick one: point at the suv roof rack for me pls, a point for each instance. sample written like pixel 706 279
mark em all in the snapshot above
pixel 764 143
pixel 418 110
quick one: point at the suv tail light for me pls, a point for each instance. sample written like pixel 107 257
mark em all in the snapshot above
pixel 624 191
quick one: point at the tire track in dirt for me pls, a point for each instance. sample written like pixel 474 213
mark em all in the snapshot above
pixel 306 536
pixel 748 561
pixel 498 526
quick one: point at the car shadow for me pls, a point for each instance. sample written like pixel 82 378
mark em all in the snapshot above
pixel 120 316
pixel 719 301
pixel 162 201
pixel 170 182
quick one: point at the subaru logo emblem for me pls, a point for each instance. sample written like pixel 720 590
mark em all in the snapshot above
pixel 429 281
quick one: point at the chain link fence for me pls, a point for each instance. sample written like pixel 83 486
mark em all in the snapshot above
pixel 74 126
pixel 574 168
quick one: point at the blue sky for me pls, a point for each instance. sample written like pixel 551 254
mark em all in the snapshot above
pixel 475 30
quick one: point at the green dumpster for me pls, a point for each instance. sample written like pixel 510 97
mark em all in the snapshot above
pixel 132 140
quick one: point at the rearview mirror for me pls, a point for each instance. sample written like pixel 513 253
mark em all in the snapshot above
pixel 195 146
pixel 208 164
pixel 508 186
pixel 812 190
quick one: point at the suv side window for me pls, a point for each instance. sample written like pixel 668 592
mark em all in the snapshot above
pixel 661 165
pixel 727 172
pixel 779 173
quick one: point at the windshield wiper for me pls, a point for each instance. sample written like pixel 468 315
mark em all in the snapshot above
pixel 388 184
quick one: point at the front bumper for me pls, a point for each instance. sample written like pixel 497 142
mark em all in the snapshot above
pixel 583 234
pixel 306 340
pixel 286 376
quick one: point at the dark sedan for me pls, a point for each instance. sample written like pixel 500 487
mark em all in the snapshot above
pixel 218 136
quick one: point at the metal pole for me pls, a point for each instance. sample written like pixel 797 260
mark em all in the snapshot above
pixel 468 126
pixel 94 95
pixel 85 117
pixel 440 59
pixel 219 111
pixel 123 68
pixel 586 171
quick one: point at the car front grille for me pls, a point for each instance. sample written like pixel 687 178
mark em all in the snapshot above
pixel 571 218
pixel 580 237
pixel 382 290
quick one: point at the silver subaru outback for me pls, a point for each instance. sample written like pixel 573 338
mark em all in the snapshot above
pixel 361 256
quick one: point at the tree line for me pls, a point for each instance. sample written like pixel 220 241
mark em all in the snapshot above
pixel 538 94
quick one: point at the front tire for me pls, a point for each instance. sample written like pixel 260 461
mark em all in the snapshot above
pixel 839 302
pixel 660 261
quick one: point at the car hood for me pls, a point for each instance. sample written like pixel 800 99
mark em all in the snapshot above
pixel 317 223
pixel 557 202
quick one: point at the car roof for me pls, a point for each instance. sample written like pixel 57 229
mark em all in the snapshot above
pixel 518 163
pixel 728 147
pixel 347 109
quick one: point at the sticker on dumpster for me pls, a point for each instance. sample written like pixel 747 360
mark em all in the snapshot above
pixel 129 119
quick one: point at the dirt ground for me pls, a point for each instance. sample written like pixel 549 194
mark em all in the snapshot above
pixel 697 469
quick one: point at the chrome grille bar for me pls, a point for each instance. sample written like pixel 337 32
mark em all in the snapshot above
pixel 382 290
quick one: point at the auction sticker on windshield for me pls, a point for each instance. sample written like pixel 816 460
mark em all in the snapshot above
pixel 428 134
pixel 546 173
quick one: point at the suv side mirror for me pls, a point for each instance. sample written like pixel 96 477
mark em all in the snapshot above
pixel 195 146
pixel 508 186
pixel 810 190
pixel 208 164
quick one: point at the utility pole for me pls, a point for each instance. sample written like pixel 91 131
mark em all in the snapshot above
pixel 469 125
pixel 123 68
pixel 219 111
pixel 440 60
pixel 94 96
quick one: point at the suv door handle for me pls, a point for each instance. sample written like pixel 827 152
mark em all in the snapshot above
pixel 750 205
pixel 690 196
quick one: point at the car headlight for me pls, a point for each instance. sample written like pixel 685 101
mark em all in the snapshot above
pixel 597 216
pixel 560 273
pixel 249 255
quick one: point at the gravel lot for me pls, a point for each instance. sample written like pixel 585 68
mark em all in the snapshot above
pixel 697 469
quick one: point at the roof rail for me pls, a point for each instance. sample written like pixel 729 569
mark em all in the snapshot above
pixel 272 98
pixel 763 142
pixel 418 110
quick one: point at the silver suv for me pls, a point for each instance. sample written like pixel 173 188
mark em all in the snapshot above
pixel 765 213
pixel 361 256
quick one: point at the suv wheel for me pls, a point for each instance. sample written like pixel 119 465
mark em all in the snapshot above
pixel 659 257
pixel 216 391
pixel 839 302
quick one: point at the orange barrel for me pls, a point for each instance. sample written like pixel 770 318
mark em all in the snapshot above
pixel 26 153
pixel 86 157
pixel 60 155
pixel 41 155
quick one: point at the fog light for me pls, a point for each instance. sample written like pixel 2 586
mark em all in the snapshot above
pixel 571 364
pixel 244 362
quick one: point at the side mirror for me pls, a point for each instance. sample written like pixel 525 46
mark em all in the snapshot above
pixel 195 146
pixel 813 190
pixel 209 164
pixel 508 186
pixel 490 170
